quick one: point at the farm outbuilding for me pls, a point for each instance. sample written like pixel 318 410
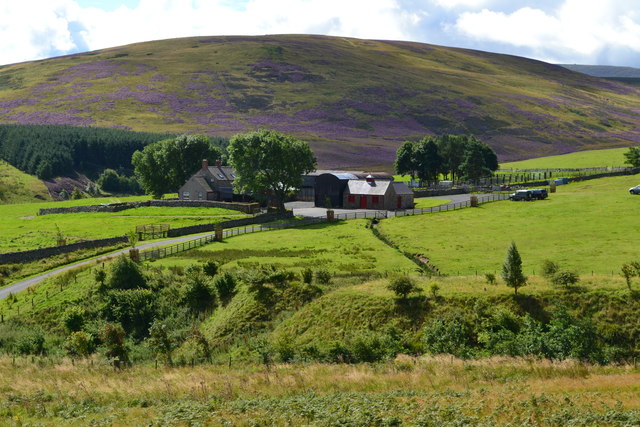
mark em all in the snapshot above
pixel 370 193
pixel 332 184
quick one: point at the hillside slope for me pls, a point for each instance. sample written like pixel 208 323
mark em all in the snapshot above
pixel 354 100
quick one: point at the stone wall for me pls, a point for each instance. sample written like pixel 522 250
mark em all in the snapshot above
pixel 248 208
pixel 439 192
pixel 203 228
pixel 36 254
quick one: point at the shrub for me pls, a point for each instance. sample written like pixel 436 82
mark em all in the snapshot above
pixel 565 278
pixel 198 294
pixel 450 335
pixel 161 342
pixel 79 344
pixel 490 278
pixel 32 342
pixel 73 319
pixel 307 275
pixel 434 288
pixel 323 276
pixel 284 348
pixel 134 309
pixel 402 286
pixel 628 272
pixel 125 274
pixel 549 269
pixel 112 337
pixel 210 268
pixel 225 285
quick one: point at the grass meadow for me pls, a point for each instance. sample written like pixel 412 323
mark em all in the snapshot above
pixel 23 229
pixel 579 159
pixel 426 391
pixel 590 227
pixel 343 248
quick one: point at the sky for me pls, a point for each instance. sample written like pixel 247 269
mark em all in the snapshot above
pixel 594 32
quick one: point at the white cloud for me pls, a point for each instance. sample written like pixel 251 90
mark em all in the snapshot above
pixel 42 28
pixel 450 4
pixel 561 30
pixel 576 29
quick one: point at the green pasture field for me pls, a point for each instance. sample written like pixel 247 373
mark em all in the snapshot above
pixel 23 229
pixel 589 227
pixel 581 159
pixel 344 248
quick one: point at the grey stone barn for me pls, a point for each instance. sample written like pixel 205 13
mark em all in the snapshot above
pixel 332 184
pixel 210 183
pixel 370 193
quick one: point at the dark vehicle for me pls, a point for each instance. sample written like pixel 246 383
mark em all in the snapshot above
pixel 521 195
pixel 539 193
pixel 635 190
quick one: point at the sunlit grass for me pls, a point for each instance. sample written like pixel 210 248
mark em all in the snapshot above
pixel 589 227
pixel 580 159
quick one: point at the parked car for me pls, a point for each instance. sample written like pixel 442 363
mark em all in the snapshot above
pixel 635 190
pixel 539 193
pixel 521 195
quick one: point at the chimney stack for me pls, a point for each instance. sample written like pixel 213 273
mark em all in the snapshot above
pixel 218 163
pixel 205 164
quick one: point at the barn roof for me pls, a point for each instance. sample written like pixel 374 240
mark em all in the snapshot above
pixel 401 188
pixel 366 188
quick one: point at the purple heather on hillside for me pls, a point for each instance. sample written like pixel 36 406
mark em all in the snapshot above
pixel 50 118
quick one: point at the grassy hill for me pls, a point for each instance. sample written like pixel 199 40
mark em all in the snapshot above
pixel 19 187
pixel 354 100
pixel 613 157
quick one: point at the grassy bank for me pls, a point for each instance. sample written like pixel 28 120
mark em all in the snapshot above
pixel 405 391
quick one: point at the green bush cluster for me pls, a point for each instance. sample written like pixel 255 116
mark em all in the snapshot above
pixel 361 347
pixel 501 331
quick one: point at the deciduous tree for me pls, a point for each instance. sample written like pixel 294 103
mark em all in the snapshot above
pixel 269 163
pixel 164 166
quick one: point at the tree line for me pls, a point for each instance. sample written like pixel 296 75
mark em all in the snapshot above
pixel 454 156
pixel 48 151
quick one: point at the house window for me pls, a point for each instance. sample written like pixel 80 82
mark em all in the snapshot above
pixel 351 198
pixel 200 195
pixel 220 176
pixel 375 200
pixel 185 195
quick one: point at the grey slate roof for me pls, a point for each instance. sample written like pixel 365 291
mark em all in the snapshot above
pixel 224 173
pixel 378 188
pixel 401 188
pixel 203 183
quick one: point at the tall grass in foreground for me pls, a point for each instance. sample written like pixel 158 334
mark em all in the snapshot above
pixel 412 391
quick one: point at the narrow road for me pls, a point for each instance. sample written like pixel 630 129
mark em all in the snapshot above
pixel 25 283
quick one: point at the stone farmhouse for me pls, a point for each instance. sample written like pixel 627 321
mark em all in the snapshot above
pixel 210 183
